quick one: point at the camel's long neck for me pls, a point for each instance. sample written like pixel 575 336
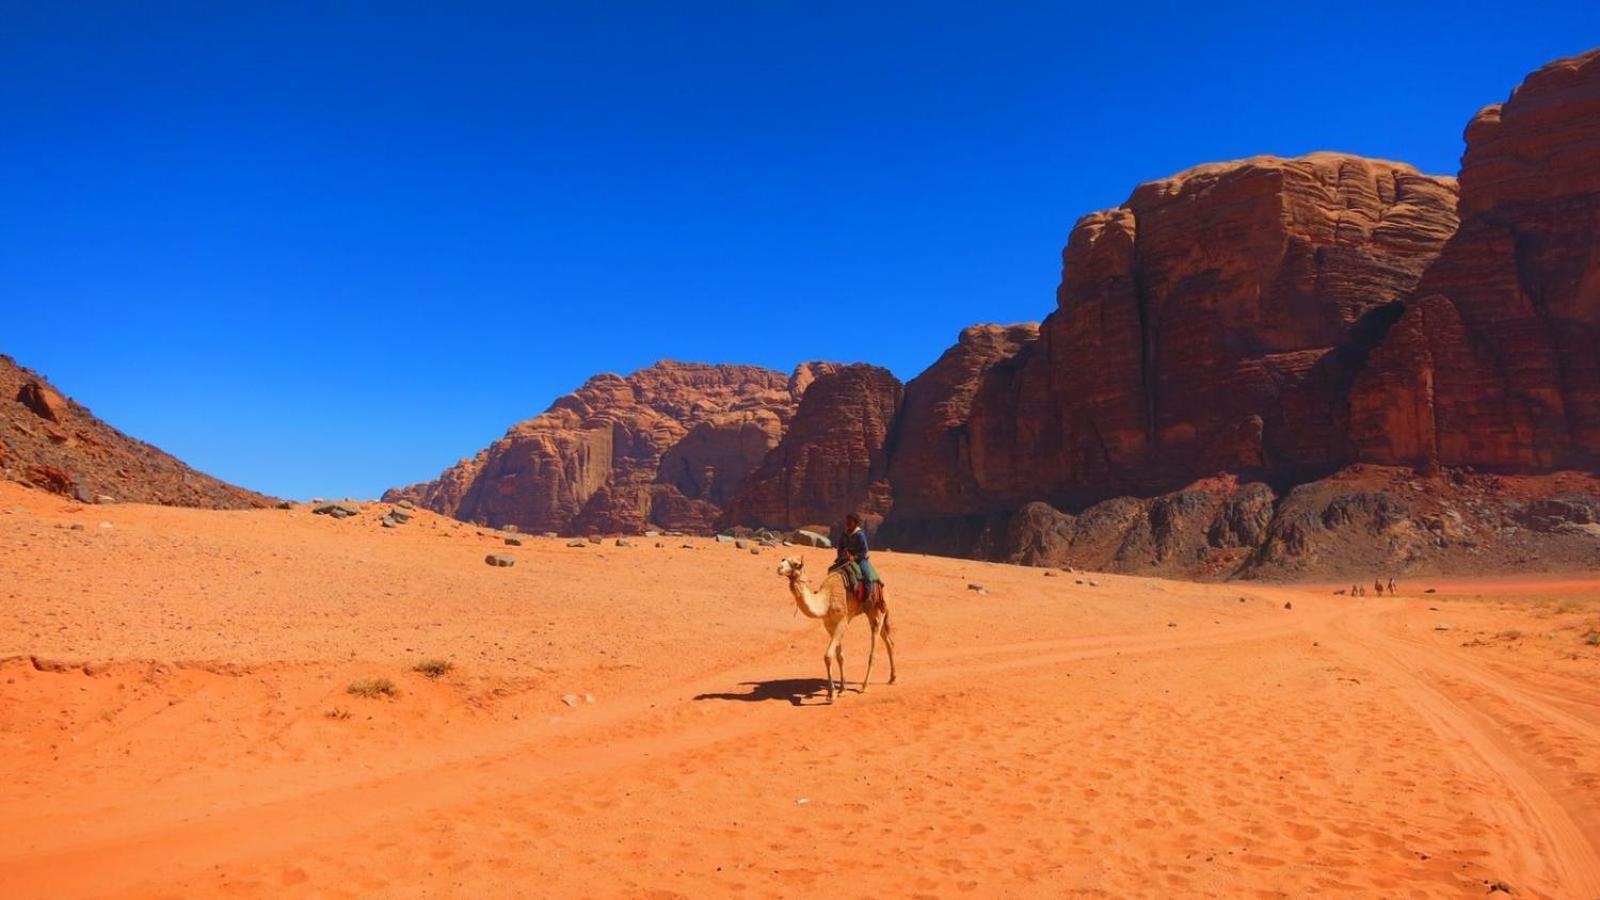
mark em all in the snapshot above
pixel 812 605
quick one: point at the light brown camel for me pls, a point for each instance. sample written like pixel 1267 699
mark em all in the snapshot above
pixel 835 606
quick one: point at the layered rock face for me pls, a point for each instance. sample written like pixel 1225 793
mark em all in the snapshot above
pixel 832 460
pixel 661 447
pixel 1211 323
pixel 1496 361
pixel 53 443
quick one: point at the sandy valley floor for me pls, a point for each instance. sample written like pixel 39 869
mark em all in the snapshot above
pixel 175 721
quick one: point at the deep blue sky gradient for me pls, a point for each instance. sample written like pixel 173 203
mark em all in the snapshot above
pixel 323 248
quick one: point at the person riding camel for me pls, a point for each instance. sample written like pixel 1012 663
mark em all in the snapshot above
pixel 853 559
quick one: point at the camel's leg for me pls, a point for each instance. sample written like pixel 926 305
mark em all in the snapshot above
pixel 839 652
pixel 834 651
pixel 888 638
pixel 872 649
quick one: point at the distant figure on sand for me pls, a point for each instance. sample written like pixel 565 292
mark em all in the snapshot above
pixel 1391 585
pixel 1377 587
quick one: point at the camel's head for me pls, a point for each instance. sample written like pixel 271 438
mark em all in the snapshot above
pixel 790 566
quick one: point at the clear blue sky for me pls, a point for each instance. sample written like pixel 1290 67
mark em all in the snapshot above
pixel 324 251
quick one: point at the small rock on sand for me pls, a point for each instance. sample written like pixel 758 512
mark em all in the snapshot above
pixel 974 586
pixel 569 699
pixel 594 539
pixel 622 543
pixel 1288 605
pixel 1093 583
pixel 741 544
pixel 500 560
pixel 577 543
pixel 77 526
pixel 513 542
pixel 755 551
pixel 1048 573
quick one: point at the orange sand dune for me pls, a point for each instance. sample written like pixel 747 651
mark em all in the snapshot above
pixel 174 721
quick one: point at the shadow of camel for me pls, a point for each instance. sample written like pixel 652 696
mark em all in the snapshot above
pixel 795 690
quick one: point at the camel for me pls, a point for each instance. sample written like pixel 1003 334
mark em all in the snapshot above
pixel 835 606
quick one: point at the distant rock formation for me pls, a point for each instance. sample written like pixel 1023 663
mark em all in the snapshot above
pixel 832 460
pixel 663 447
pixel 1269 367
pixel 53 443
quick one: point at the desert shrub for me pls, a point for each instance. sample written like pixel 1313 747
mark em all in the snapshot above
pixel 373 687
pixel 433 668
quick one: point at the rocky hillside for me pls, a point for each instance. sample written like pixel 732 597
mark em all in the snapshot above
pixel 51 442
pixel 663 447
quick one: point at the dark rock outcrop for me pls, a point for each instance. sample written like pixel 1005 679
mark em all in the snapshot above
pixel 833 459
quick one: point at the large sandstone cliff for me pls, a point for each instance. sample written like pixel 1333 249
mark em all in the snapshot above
pixel 1233 336
pixel 661 447
pixel 1211 323
pixel 1496 360
pixel 52 442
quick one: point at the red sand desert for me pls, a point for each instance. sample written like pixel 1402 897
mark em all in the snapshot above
pixel 175 721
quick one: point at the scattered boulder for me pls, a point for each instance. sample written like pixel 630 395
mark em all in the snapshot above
pixel 82 494
pixel 405 504
pixel 103 499
pixel 724 538
pixel 579 544
pixel 500 560
pixel 549 534
pixel 43 400
pixel 741 544
pixel 284 504
pixel 620 542
pixel 400 515
pixel 389 522
pixel 594 539
pixel 755 551
pixel 513 541
pixel 336 510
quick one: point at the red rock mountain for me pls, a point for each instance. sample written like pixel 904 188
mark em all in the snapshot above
pixel 51 442
pixel 663 447
pixel 1275 321
pixel 832 460
pixel 1211 323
